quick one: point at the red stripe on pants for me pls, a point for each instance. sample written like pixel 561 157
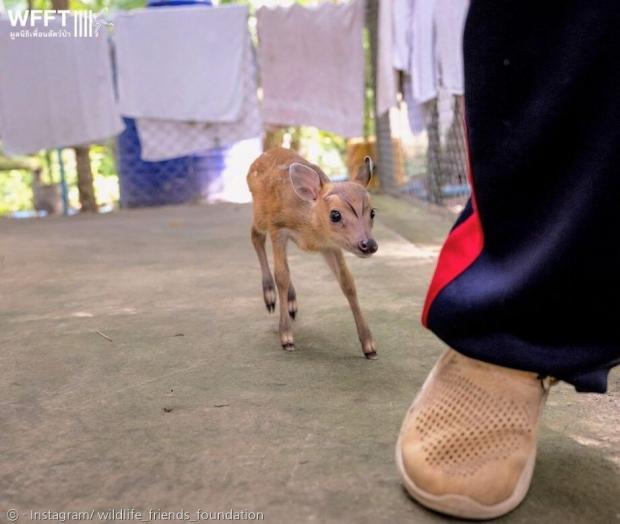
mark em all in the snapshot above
pixel 462 247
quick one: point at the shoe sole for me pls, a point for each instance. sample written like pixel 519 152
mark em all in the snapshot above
pixel 459 505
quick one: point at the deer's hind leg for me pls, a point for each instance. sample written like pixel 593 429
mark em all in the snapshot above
pixel 279 239
pixel 269 289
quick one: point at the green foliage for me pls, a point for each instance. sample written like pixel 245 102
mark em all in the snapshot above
pixel 322 148
pixel 15 191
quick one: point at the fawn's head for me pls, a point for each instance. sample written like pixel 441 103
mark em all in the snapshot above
pixel 342 210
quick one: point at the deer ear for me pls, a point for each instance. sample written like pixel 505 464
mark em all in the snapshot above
pixel 306 181
pixel 365 172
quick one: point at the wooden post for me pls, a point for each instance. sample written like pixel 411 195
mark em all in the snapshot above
pixel 86 188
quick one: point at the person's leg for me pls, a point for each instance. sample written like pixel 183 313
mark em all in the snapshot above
pixel 526 283
pixel 529 276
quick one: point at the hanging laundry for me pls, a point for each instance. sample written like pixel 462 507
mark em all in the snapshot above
pixel 386 74
pixel 423 64
pixel 181 63
pixel 428 48
pixel 312 66
pixel 414 55
pixel 417 113
pixel 55 91
pixel 166 139
pixel 401 33
pixel 450 18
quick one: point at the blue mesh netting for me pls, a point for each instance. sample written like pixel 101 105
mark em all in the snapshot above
pixel 169 182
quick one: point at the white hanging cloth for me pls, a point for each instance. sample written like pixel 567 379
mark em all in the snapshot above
pixel 181 63
pixel 55 91
pixel 423 64
pixel 450 18
pixel 414 55
pixel 386 74
pixel 428 48
pixel 166 139
pixel 312 66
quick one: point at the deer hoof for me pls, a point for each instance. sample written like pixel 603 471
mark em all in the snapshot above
pixel 269 294
pixel 292 302
pixel 288 347
pixel 292 309
pixel 372 355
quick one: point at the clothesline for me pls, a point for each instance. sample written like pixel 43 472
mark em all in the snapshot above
pixel 188 75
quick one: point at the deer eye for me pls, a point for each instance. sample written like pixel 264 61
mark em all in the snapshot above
pixel 372 214
pixel 335 216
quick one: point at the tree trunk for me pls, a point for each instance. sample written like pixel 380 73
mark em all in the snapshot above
pixel 85 185
pixel 272 138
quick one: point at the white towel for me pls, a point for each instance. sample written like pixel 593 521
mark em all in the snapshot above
pixel 414 54
pixel 55 91
pixel 166 139
pixel 417 113
pixel 423 58
pixel 312 66
pixel 401 39
pixel 450 23
pixel 386 75
pixel 181 63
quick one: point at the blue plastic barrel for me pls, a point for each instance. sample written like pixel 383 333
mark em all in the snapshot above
pixel 167 3
pixel 152 183
pixel 210 169
pixel 174 181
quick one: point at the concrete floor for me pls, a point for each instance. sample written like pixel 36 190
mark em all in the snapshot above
pixel 191 404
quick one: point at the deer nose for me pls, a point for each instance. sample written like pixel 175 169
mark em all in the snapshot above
pixel 368 246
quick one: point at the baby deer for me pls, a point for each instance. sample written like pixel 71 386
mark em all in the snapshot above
pixel 293 199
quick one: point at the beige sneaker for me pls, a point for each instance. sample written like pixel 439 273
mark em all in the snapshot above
pixel 467 446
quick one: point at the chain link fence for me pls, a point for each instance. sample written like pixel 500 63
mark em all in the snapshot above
pixel 430 165
pixel 434 163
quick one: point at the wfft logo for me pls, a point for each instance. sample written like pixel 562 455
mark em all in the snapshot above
pixel 50 22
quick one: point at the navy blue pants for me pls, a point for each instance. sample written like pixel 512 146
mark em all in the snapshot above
pixel 529 277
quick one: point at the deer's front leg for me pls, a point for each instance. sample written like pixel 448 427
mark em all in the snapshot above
pixel 335 260
pixel 283 282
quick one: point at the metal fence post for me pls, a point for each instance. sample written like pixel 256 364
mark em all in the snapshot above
pixel 434 154
pixel 63 183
